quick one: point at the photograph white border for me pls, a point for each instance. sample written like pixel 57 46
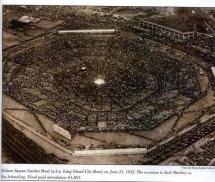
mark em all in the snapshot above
pixel 199 175
pixel 176 3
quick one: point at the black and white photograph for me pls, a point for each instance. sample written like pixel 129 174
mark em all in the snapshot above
pixel 120 85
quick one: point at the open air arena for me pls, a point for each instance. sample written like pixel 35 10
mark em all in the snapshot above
pixel 108 85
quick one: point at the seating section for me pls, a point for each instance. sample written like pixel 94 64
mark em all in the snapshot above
pixel 142 87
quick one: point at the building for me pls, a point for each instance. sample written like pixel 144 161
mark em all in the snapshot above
pixel 163 30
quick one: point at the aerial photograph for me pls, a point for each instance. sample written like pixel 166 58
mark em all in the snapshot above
pixel 108 85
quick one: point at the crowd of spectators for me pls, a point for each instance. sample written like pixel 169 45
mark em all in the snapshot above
pixel 163 152
pixel 64 70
